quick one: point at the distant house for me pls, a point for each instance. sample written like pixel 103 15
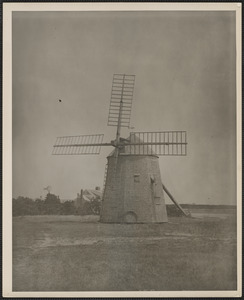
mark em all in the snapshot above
pixel 88 195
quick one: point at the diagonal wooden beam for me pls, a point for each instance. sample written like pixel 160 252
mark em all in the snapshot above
pixel 174 201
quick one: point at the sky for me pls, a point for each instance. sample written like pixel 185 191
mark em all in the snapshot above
pixel 184 64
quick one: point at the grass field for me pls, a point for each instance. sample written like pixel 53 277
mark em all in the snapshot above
pixel 74 253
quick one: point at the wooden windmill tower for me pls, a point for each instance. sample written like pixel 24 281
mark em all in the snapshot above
pixel 133 189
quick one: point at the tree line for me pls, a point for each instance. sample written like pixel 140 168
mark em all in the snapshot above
pixel 52 205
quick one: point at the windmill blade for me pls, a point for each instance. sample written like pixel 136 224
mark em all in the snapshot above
pixel 121 100
pixel 156 143
pixel 48 188
pixel 78 145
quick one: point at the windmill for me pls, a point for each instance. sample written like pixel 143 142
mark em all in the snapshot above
pixel 48 189
pixel 133 189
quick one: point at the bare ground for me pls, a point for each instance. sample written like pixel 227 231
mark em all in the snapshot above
pixel 73 253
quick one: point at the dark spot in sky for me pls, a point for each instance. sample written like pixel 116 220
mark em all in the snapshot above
pixel 60 100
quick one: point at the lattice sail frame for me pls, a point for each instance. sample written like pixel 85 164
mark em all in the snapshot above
pixel 122 90
pixel 173 143
pixel 77 145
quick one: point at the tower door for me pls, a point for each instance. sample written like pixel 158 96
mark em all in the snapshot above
pixel 156 192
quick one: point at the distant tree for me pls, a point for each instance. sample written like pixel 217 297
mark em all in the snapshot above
pixel 68 208
pixel 52 204
pixel 91 207
pixel 40 206
pixel 85 208
pixel 96 206
pixel 24 206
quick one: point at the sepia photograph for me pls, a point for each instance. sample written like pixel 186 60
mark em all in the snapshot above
pixel 122 132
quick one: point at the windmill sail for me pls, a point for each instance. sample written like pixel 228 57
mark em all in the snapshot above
pixel 173 143
pixel 77 145
pixel 121 100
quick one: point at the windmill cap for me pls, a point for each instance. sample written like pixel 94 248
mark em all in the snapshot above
pixel 134 149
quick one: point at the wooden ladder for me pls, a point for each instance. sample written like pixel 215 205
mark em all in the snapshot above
pixel 105 178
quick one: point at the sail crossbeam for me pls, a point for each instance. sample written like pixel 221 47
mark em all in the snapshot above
pixel 121 100
pixel 80 144
pixel 172 143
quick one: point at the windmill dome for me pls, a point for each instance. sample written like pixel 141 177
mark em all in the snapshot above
pixel 140 149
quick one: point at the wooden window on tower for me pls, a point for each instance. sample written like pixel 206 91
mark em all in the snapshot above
pixel 136 177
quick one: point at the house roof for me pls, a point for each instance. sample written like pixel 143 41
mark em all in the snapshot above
pixel 88 195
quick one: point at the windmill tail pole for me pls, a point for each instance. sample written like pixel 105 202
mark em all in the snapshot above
pixel 174 201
